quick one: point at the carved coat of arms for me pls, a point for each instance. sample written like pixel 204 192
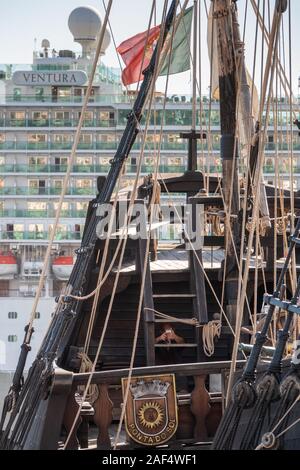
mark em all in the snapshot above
pixel 151 410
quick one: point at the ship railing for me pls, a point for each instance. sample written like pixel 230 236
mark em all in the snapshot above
pixel 16 293
pixel 112 145
pixel 50 213
pixel 46 191
pixel 56 123
pixel 97 145
pixel 38 235
pixel 199 410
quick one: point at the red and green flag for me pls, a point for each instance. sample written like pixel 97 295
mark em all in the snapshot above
pixel 136 51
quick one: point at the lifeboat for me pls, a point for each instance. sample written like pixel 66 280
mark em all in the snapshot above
pixel 32 268
pixel 8 265
pixel 62 267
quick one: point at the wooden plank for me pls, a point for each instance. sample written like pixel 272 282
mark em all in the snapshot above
pixel 103 417
pixel 200 407
pixel 161 320
pixel 180 369
pixel 176 296
pixel 183 345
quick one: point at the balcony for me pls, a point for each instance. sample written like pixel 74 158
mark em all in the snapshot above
pixel 112 145
pixel 38 146
pixel 55 123
pixel 25 191
pixel 14 235
pixel 47 213
pixel 15 168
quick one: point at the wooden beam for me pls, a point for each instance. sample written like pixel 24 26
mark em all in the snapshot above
pixel 200 408
pixel 103 417
pixel 114 376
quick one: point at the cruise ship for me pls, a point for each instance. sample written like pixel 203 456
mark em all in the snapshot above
pixel 39 111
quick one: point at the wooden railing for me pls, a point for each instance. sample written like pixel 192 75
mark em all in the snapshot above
pixel 194 408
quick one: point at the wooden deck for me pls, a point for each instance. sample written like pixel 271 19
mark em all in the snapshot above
pixel 176 260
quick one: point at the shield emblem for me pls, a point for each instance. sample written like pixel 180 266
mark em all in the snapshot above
pixel 151 410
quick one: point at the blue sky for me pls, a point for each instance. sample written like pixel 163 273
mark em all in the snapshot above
pixel 21 21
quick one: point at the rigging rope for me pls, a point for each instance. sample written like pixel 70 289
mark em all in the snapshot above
pixel 164 316
pixel 271 437
pixel 87 366
pixel 210 332
pixel 268 80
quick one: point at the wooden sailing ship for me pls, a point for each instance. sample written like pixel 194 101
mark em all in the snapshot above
pixel 102 362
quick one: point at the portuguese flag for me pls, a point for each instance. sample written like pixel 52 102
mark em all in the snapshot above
pixel 136 60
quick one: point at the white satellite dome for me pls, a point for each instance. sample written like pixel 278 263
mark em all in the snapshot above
pixel 45 43
pixel 85 24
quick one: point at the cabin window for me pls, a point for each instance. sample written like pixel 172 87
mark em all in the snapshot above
pixel 12 338
pixel 107 138
pixel 37 206
pixel 77 92
pixel 33 138
pixel 83 183
pixel 61 138
pixel 84 160
pixel 61 233
pixel 37 161
pixel 153 138
pixel 86 138
pixel 174 161
pixel 88 115
pixel 36 228
pixel 40 115
pixel 12 315
pixel 104 116
pixel 37 315
pixel 65 207
pixel 17 115
pixel 37 184
pixel 61 161
pixel 105 160
pixel 62 114
pixel 64 93
pixel 81 206
pixel 57 184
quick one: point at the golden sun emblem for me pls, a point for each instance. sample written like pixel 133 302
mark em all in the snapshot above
pixel 151 415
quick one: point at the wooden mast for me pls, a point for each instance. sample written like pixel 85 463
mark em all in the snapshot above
pixel 192 136
pixel 223 24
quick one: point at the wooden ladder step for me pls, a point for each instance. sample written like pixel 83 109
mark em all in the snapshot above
pixel 184 345
pixel 174 296
pixel 162 320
